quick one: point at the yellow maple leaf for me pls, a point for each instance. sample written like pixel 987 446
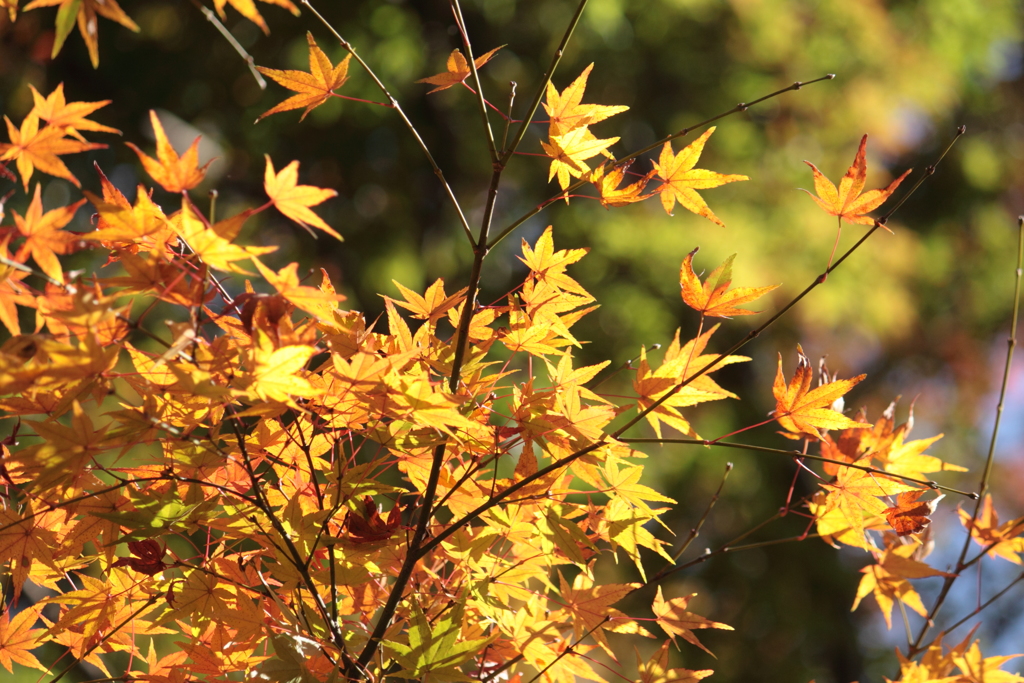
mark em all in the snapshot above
pixel 673 616
pixel 565 111
pixel 682 180
pixel 570 151
pixel 294 200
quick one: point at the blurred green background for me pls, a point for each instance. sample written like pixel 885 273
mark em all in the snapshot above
pixel 924 311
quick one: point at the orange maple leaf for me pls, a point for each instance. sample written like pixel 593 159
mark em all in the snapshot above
pixel 314 87
pixel 848 202
pixel 70 116
pixel 173 173
pixel 714 297
pixel 247 8
pixel 682 180
pixel 458 70
pixel 33 148
pixel 18 638
pixel 673 616
pixel 565 111
pixel 802 410
pixel 44 238
pixel 607 184
pixel 909 515
pixel 294 200
pixel 1002 540
pixel 83 12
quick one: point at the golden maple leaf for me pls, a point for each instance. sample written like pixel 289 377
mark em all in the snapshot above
pixel 565 112
pixel 673 616
pixel 570 151
pixel 849 201
pixel 294 200
pixel 314 87
pixel 33 148
pixel 173 173
pixel 682 180
pixel 59 113
pixel 714 297
pixel 457 70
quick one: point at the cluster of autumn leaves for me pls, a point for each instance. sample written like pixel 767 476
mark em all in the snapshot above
pixel 220 476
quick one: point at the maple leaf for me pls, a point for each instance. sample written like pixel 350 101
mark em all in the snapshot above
pixel 70 116
pixel 548 265
pixel 44 238
pixel 673 616
pixel 656 669
pixel 247 8
pixel 274 371
pixel 314 87
pixel 910 516
pixel 682 180
pixel 714 297
pixel 1002 540
pixel 12 8
pixel 855 496
pixel 83 12
pixel 570 151
pixel 804 412
pixel 565 111
pixel 434 651
pixel 977 669
pixel 433 305
pixel 213 249
pixel 888 580
pixel 590 606
pixel 33 148
pixel 294 200
pixel 457 70
pixel 847 202
pixel 371 527
pixel 174 174
pixel 18 638
pixel 607 183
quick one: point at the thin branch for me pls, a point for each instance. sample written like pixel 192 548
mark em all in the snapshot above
pixel 695 531
pixel 979 608
pixel 535 104
pixel 249 61
pixel 799 454
pixel 1011 343
pixel 405 119
pixel 580 183
pixel 457 11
